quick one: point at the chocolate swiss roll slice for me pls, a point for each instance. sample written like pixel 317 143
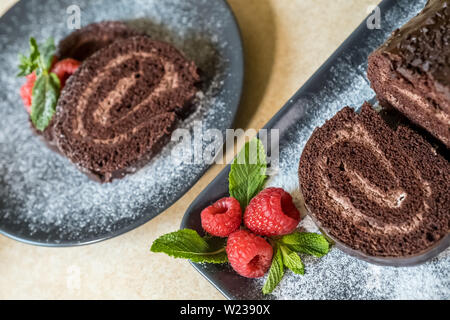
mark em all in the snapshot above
pixel 84 42
pixel 122 104
pixel 81 44
pixel 377 191
pixel 411 71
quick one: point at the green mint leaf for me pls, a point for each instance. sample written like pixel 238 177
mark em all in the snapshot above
pixel 309 243
pixel 292 261
pixel 187 244
pixel 47 53
pixel 31 62
pixel 248 172
pixel 39 59
pixel 47 86
pixel 276 272
pixel 45 96
pixel 26 66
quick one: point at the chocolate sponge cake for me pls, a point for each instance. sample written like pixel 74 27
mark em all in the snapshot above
pixel 84 42
pixel 122 104
pixel 379 191
pixel 80 45
pixel 411 71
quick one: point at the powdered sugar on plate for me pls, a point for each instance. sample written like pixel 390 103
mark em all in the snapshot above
pixel 43 197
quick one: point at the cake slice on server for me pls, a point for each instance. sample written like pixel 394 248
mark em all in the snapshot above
pixel 411 71
pixel 383 193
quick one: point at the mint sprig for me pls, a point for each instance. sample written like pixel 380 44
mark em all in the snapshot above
pixel 47 86
pixel 29 64
pixel 39 59
pixel 246 180
pixel 188 244
pixel 248 172
pixel 286 250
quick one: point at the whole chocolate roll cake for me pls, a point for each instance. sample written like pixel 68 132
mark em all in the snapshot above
pixel 122 104
pixel 411 71
pixel 378 191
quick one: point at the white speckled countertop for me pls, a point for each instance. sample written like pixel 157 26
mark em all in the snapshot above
pixel 285 42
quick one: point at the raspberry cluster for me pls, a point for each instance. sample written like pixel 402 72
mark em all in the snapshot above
pixel 270 213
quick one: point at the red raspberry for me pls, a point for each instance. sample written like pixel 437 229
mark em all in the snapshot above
pixel 63 69
pixel 272 213
pixel 248 254
pixel 222 218
pixel 26 91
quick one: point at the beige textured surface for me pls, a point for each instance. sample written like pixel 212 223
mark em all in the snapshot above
pixel 285 42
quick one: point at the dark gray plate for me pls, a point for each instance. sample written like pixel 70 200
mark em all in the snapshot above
pixel 339 82
pixel 44 199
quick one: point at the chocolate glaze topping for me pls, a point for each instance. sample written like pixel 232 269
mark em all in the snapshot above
pixel 411 71
pixel 381 192
pixel 424 44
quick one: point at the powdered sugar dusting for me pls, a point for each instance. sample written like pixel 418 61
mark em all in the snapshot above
pixel 42 195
